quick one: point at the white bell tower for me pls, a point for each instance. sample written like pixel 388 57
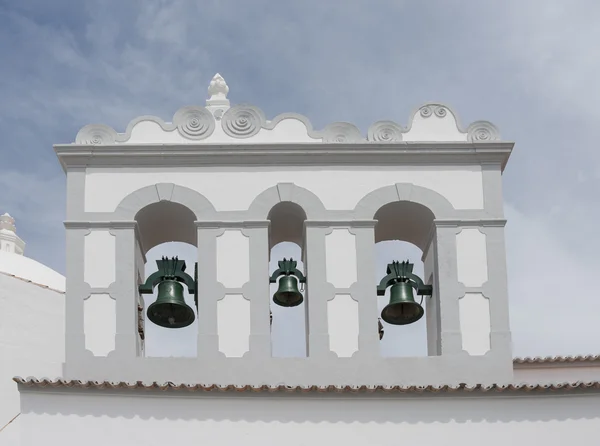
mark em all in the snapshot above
pixel 233 183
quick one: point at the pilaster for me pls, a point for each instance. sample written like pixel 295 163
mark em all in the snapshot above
pixel 125 290
pixel 257 290
pixel 318 290
pixel 496 289
pixel 446 287
pixel 364 290
pixel 76 292
pixel 209 290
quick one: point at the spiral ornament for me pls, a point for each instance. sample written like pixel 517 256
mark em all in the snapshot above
pixel 426 111
pixel 385 131
pixel 483 131
pixel 440 111
pixel 194 122
pixel 96 134
pixel 242 121
pixel 341 132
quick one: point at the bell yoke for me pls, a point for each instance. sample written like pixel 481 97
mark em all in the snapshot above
pixel 170 310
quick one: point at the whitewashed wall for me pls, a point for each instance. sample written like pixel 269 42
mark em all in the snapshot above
pixel 31 337
pixel 585 371
pixel 105 188
pixel 152 419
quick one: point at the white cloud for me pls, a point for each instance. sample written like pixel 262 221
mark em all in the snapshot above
pixel 553 300
pixel 530 65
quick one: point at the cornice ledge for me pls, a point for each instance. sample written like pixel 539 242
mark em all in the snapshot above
pixel 243 224
pixel 121 224
pixel 453 223
pixel 77 156
pixel 340 223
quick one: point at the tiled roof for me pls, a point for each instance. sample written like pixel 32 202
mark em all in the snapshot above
pixel 494 388
pixel 556 359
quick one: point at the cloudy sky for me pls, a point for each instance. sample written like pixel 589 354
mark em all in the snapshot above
pixel 530 67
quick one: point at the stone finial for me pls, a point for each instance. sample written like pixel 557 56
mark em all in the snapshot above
pixel 7 222
pixel 9 240
pixel 217 90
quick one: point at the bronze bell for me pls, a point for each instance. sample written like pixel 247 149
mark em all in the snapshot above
pixel 402 309
pixel 170 309
pixel 287 294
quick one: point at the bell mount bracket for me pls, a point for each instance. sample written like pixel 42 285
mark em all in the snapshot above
pixel 287 268
pixel 174 269
pixel 402 272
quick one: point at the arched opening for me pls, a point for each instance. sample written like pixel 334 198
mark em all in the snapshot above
pixel 402 233
pixel 286 240
pixel 166 229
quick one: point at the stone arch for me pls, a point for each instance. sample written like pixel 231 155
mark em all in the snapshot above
pixel 368 206
pixel 197 203
pixel 282 192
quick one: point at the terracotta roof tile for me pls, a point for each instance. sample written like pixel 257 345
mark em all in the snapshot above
pixel 33 382
pixel 556 359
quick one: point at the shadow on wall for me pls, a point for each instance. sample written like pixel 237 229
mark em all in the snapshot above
pixel 289 408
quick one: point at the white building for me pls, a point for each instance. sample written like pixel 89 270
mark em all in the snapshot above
pixel 234 184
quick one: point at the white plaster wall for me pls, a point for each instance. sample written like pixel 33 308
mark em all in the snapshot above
pixel 100 323
pixel 340 259
pixel 461 185
pixel 233 259
pixel 557 373
pixel 474 310
pixel 233 322
pixel 72 420
pixel 99 260
pixel 342 320
pixel 31 337
pixel 471 258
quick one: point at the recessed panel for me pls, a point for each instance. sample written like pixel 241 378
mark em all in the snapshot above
pixel 342 319
pixel 341 258
pixel 100 324
pixel 471 258
pixel 475 323
pixel 234 325
pixel 233 259
pixel 99 260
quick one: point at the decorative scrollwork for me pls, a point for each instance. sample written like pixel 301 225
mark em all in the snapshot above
pixel 242 121
pixel 194 122
pixel 483 131
pixel 341 132
pixel 96 134
pixel 440 111
pixel 426 111
pixel 385 131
